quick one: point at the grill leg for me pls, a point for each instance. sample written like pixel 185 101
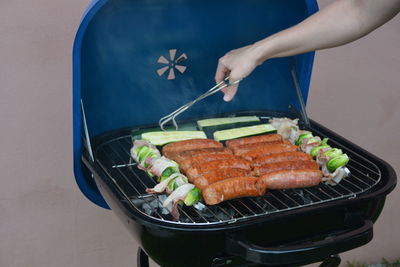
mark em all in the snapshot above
pixel 332 261
pixel 142 258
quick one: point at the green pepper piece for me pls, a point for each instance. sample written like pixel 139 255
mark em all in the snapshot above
pixel 172 185
pixel 337 162
pixel 192 197
pixel 151 155
pixel 168 172
pixel 313 140
pixel 324 141
pixel 138 149
pixel 143 152
pixel 315 150
pixel 334 152
pixel 301 137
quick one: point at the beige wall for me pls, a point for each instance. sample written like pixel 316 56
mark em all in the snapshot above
pixel 355 90
pixel 45 220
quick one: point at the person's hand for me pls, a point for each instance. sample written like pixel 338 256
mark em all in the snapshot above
pixel 237 64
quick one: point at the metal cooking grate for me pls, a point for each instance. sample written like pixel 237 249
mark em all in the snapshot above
pixel 114 158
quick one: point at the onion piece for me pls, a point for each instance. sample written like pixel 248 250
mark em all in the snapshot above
pixel 158 165
pixel 159 188
pixel 335 177
pixel 179 194
pixel 286 127
pixel 137 144
pixel 178 181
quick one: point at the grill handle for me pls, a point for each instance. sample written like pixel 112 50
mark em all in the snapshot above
pixel 305 252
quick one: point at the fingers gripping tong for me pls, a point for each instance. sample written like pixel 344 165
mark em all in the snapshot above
pixel 172 116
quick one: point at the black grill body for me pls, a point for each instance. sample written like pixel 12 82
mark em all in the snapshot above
pixel 125 74
pixel 293 235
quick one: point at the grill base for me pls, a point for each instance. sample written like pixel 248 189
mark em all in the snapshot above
pixel 212 249
pixel 143 261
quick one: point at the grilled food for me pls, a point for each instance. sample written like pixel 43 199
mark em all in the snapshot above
pixel 142 151
pixel 253 139
pixel 188 162
pixel 198 169
pixel 243 149
pixel 203 180
pixel 284 156
pixel 173 148
pixel 229 134
pixel 285 165
pixel 286 179
pixel 268 150
pixel 160 138
pixel 182 155
pixel 232 188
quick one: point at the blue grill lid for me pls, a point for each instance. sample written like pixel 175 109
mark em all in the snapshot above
pixel 136 61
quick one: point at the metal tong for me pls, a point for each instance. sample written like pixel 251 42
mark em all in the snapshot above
pixel 213 90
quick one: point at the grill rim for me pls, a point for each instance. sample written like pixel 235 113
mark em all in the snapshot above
pixel 386 184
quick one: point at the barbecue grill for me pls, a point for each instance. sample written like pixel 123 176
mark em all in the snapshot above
pixel 136 61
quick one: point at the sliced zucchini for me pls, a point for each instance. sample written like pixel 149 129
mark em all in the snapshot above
pixel 223 121
pixel 161 138
pixel 243 131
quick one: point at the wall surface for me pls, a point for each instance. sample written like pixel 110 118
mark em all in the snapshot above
pixel 46 221
pixel 355 91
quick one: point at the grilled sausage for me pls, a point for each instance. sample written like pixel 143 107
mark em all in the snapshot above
pixel 253 139
pixel 198 169
pixel 213 176
pixel 286 179
pixel 231 188
pixel 243 149
pixel 187 145
pixel 285 156
pixel 285 165
pixel 268 150
pixel 187 162
pixel 286 142
pixel 210 147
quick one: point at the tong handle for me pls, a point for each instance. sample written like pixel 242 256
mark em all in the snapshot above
pixel 183 108
pixel 216 88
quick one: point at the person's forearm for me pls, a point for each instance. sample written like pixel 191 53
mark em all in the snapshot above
pixel 340 23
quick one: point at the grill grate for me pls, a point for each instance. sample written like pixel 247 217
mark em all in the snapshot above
pixel 113 156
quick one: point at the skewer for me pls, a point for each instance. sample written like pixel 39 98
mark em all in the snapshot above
pixel 172 116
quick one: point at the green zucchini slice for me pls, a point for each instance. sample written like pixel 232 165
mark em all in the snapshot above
pixel 243 131
pixel 161 138
pixel 227 120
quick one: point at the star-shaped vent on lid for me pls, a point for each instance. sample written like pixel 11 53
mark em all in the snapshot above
pixel 172 64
